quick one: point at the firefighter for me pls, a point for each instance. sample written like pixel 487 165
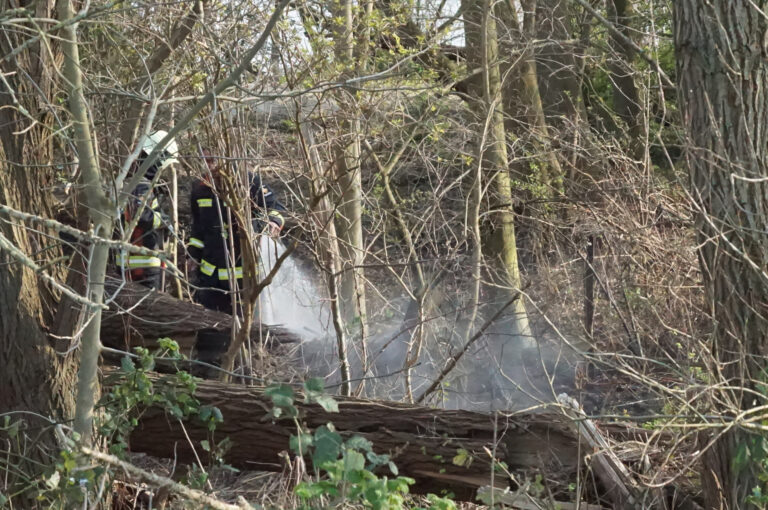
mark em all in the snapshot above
pixel 209 242
pixel 152 225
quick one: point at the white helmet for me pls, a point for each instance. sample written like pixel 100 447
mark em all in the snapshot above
pixel 168 155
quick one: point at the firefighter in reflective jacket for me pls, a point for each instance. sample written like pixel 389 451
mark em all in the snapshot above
pixel 209 244
pixel 151 225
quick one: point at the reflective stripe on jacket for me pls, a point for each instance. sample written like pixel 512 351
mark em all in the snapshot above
pixel 209 240
pixel 138 261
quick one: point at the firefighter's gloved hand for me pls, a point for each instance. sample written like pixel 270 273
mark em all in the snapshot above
pixel 276 222
pixel 274 229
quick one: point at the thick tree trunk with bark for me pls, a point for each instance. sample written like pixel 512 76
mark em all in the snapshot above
pixel 33 376
pixel 422 442
pixel 722 66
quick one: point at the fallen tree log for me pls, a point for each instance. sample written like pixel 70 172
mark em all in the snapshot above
pixel 422 442
pixel 138 316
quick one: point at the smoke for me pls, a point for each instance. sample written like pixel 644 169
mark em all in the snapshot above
pixel 500 371
pixel 293 299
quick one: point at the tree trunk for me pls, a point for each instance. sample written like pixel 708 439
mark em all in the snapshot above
pixel 422 442
pixel 101 221
pixel 482 53
pixel 560 69
pixel 328 243
pixel 522 100
pixel 558 65
pixel 721 72
pixel 33 376
pixel 349 227
pixel 626 98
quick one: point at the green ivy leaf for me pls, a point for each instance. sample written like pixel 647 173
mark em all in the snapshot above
pixel 70 464
pixel 327 446
pixel 328 403
pixel 280 394
pixel 167 344
pixel 175 411
pixel 377 460
pixel 300 443
pixel 353 461
pixel 127 365
pixel 314 490
pixel 359 443
pixel 314 385
pixel 462 458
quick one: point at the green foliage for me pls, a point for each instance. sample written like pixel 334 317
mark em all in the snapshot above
pixel 287 126
pixel 462 458
pixel 195 478
pixel 74 478
pixel 132 391
pixel 345 470
pixel 752 455
pixel 68 482
pixel 282 400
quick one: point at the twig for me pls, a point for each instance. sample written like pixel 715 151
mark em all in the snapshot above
pixel 626 40
pixel 84 236
pixel 194 450
pixel 208 98
pixel 161 481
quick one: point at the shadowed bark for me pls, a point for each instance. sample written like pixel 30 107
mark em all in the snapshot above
pixel 721 71
pixel 33 376
pixel 422 442
pixel 626 97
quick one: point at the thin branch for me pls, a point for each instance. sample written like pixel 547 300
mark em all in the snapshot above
pixel 16 253
pixel 80 16
pixel 161 481
pixel 626 40
pixel 88 236
pixel 223 85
